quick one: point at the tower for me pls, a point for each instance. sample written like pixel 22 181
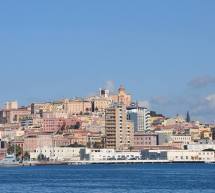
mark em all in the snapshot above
pixel 188 117
pixel 119 130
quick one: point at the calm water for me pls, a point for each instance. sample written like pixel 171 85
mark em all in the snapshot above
pixel 154 178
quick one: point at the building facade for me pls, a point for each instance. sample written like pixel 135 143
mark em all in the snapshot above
pixel 119 131
pixel 140 116
pixel 144 141
pixel 59 153
pixel 122 97
pixel 78 106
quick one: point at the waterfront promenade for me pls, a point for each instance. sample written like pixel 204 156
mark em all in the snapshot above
pixel 86 162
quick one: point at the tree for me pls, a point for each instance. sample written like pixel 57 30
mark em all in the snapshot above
pixel 77 125
pixel 26 156
pixel 14 148
pixel 97 145
pixel 41 157
pixel 130 148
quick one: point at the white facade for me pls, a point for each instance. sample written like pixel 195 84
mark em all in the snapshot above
pixel 187 155
pixel 58 153
pixel 111 154
pixel 200 147
pixel 50 115
pixel 141 118
pixel 11 105
pixel 100 154
pixel 128 155
pixel 184 139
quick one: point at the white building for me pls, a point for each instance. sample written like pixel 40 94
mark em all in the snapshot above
pixel 187 155
pixel 59 153
pixel 100 154
pixel 140 116
pixel 11 105
pixel 183 139
pixel 128 155
pixel 200 147
pixel 111 154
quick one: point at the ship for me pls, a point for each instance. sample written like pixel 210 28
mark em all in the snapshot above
pixel 9 160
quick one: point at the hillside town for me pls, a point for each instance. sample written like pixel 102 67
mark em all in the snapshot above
pixel 107 127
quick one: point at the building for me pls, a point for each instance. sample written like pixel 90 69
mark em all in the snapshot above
pixel 181 140
pixel 144 141
pixel 52 124
pixel 61 141
pixel 14 115
pixel 163 138
pixel 8 131
pixel 122 97
pixel 104 93
pixel 11 105
pixel 154 155
pixel 189 155
pixel 111 154
pixel 99 154
pixel 2 153
pixel 26 122
pixel 213 133
pixel 119 131
pixel 179 155
pixel 78 106
pixel 34 141
pixel 79 137
pixel 140 116
pixel 40 108
pixel 95 140
pixel 200 147
pixel 100 104
pixel 59 153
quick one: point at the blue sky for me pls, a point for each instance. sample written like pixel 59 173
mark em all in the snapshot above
pixel 162 51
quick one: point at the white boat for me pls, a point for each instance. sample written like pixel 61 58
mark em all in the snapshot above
pixel 9 160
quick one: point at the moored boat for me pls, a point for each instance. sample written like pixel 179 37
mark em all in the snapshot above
pixel 9 160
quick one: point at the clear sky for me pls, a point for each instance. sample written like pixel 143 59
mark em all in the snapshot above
pixel 163 52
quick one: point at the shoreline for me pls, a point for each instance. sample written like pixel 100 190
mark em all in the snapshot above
pixel 110 162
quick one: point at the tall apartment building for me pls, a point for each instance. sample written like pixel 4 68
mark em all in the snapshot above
pixel 119 130
pixel 140 117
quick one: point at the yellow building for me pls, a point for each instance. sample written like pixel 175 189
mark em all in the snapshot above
pixel 100 104
pixel 119 131
pixel 122 97
pixel 77 106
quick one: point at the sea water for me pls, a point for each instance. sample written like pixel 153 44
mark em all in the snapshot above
pixel 139 178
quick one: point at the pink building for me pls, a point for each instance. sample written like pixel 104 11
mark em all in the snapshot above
pixel 52 124
pixel 34 141
pixel 15 115
pixel 142 140
pixel 60 140
pixel 2 153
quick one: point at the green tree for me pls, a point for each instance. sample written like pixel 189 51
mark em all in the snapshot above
pixel 26 156
pixel 131 148
pixel 41 157
pixel 14 148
